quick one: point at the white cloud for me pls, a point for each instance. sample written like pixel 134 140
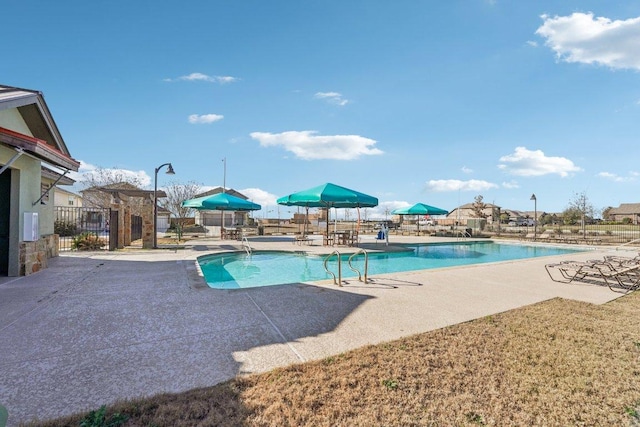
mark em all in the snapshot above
pixel 193 77
pixel 525 162
pixel 582 38
pixel 204 118
pixel 443 185
pixel 532 43
pixel 261 197
pixel 617 178
pixel 332 97
pixel 309 146
pixel 84 167
pixel 87 171
pixel 384 209
pixel 510 185
pixel 466 170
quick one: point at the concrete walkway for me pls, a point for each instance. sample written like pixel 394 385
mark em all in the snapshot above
pixel 97 327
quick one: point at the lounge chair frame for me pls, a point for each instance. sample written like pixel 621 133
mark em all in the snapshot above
pixel 618 278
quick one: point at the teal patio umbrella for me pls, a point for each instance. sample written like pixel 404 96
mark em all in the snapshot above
pixel 221 202
pixel 420 209
pixel 329 196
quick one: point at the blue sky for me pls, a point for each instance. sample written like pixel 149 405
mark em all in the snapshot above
pixel 409 101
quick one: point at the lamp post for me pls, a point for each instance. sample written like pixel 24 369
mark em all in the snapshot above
pixel 535 216
pixel 155 200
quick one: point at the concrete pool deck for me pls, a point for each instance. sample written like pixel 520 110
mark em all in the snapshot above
pixel 101 326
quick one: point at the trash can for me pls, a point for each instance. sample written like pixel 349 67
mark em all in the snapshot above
pixel 469 231
pixel 261 230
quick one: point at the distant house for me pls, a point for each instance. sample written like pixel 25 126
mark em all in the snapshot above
pixel 466 212
pixel 66 198
pixel 221 218
pixel 33 160
pixel 626 210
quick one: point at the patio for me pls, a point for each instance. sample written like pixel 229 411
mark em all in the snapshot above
pixel 97 327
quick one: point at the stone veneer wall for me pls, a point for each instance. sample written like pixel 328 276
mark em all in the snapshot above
pixel 34 256
pixel 147 224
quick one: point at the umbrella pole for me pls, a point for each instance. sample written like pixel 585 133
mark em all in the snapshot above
pixel 328 222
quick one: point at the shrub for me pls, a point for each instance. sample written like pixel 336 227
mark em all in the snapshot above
pixel 99 419
pixel 87 242
pixel 64 228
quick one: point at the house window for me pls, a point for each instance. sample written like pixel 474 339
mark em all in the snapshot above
pixel 44 188
pixel 71 200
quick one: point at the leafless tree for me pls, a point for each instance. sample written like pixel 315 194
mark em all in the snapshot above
pixel 113 178
pixel 102 176
pixel 478 207
pixel 579 210
pixel 176 194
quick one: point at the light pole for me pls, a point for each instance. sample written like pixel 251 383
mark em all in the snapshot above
pixel 155 200
pixel 535 216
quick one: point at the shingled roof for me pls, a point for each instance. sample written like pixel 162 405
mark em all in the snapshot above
pixel 626 209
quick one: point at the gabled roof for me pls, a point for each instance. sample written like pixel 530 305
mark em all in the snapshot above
pixel 471 205
pixel 46 143
pixel 626 208
pixel 124 188
pixel 219 190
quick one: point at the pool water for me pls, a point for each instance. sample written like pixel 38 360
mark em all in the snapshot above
pixel 265 268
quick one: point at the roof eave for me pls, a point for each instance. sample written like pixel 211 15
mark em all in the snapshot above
pixel 39 149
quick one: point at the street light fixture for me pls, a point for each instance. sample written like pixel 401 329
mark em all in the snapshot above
pixel 155 200
pixel 535 216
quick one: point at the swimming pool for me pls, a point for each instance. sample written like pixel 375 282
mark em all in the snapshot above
pixel 265 268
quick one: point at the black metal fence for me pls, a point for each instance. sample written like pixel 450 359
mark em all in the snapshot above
pixel 136 227
pixel 82 228
pixel 611 234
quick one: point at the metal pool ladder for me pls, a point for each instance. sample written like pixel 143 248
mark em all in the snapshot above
pixel 326 260
pixel 366 264
pixel 246 246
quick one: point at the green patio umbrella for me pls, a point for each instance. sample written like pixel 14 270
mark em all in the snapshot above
pixel 329 196
pixel 420 209
pixel 221 202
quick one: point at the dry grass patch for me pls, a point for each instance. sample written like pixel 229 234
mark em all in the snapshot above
pixel 555 363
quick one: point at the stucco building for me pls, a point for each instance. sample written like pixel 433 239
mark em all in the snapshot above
pixel 33 159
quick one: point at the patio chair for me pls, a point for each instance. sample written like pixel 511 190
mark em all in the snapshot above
pixel 622 261
pixel 301 239
pixel 545 236
pixel 626 278
pixel 569 271
pixel 355 238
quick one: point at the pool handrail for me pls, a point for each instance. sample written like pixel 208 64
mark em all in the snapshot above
pixel 335 252
pixel 462 234
pixel 366 264
pixel 246 246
